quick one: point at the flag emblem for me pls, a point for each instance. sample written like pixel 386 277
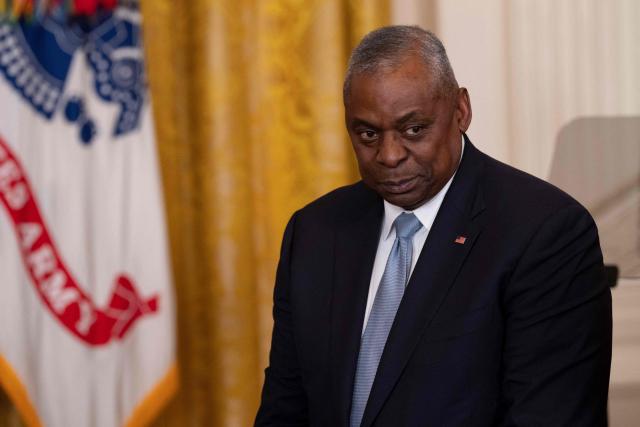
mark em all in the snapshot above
pixel 460 240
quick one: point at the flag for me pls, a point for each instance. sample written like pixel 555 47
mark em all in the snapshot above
pixel 86 304
pixel 460 240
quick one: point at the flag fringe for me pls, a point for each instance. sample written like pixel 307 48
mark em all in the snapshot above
pixel 149 407
pixel 17 392
pixel 145 412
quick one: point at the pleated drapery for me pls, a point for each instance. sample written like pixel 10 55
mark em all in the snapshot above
pixel 249 118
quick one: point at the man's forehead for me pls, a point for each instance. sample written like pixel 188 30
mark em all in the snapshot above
pixel 392 87
pixel 411 74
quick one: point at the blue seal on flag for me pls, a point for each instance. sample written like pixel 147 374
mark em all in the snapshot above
pixel 36 58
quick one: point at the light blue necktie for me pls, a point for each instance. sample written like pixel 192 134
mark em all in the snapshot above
pixel 394 279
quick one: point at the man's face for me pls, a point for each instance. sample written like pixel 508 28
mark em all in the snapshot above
pixel 406 135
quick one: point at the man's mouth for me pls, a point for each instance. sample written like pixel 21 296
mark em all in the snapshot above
pixel 399 186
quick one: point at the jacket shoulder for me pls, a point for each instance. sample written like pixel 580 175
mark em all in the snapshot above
pixel 517 191
pixel 340 204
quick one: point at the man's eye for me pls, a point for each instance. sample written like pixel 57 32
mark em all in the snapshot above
pixel 368 135
pixel 414 130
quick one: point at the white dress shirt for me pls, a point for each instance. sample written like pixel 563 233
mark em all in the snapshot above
pixel 426 213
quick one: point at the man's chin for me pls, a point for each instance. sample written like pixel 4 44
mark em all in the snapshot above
pixel 408 201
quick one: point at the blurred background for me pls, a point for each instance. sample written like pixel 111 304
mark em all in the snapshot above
pixel 246 98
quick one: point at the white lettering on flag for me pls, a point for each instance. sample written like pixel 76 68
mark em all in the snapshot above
pixel 29 233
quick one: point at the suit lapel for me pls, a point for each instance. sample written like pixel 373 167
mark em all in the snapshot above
pixel 355 250
pixel 437 267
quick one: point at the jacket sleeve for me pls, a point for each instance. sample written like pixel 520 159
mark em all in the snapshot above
pixel 557 342
pixel 284 401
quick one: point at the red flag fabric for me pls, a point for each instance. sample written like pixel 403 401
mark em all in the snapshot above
pixel 85 7
pixel 108 4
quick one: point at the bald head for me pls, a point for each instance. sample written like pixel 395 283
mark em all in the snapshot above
pixel 386 48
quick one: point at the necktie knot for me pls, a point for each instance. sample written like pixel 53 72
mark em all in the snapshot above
pixel 407 224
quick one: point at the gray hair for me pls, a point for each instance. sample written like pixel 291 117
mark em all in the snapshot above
pixel 388 47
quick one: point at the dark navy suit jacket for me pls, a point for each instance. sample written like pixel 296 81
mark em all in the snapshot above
pixel 510 328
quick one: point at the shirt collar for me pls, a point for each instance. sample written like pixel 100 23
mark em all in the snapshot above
pixel 426 213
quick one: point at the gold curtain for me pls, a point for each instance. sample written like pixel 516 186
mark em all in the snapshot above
pixel 248 107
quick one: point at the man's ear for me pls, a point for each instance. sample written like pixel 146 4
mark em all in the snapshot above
pixel 463 109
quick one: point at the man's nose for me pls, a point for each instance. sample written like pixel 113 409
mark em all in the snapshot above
pixel 391 151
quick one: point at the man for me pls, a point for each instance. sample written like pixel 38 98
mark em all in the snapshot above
pixel 446 288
